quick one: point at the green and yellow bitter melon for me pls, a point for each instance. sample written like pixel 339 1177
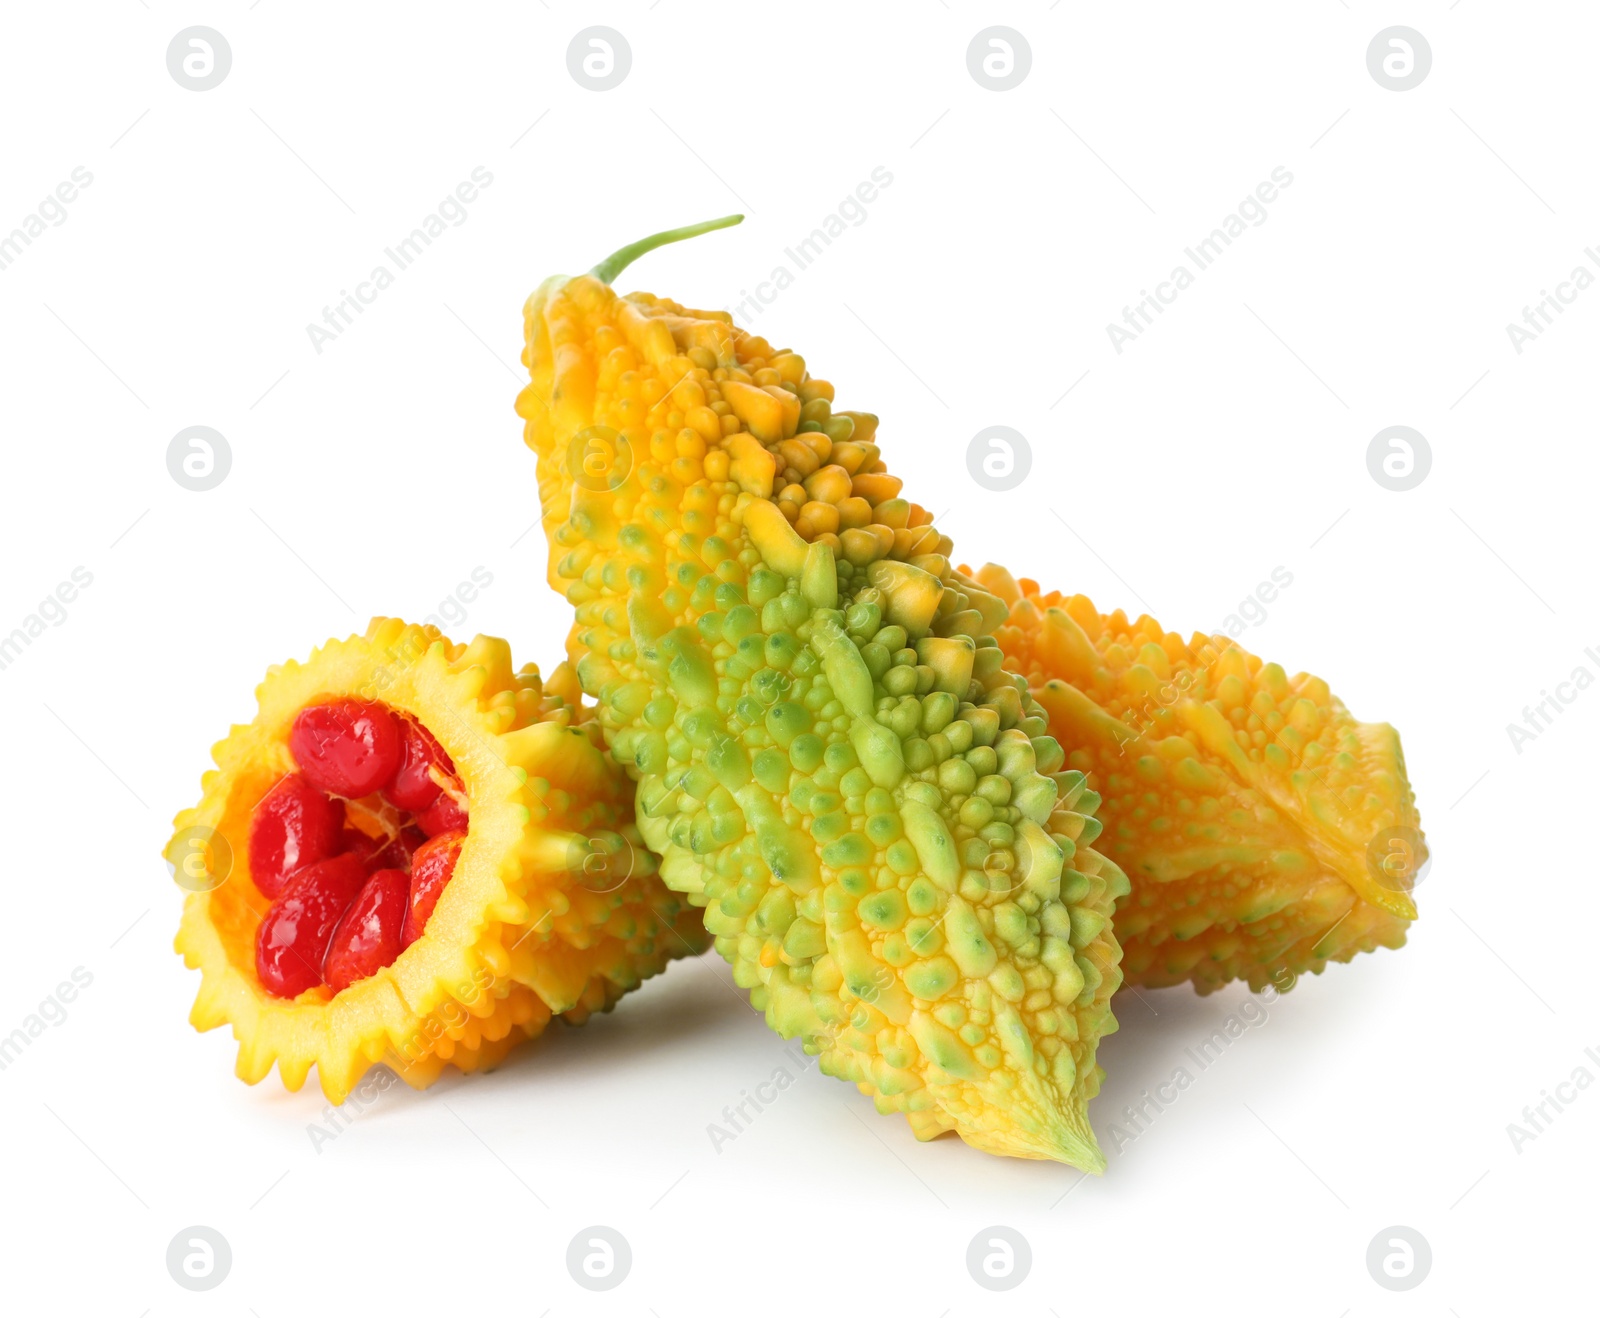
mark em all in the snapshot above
pixel 832 758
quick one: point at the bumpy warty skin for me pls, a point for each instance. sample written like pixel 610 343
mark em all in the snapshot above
pixel 1264 831
pixel 832 758
pixel 554 908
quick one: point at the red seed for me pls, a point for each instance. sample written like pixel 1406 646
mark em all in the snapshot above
pixel 431 868
pixel 443 816
pixel 293 938
pixel 295 825
pixel 413 788
pixel 346 747
pixel 368 938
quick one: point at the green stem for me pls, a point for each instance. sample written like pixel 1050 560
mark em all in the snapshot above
pixel 623 257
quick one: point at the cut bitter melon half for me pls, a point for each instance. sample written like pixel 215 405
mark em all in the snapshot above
pixel 1264 831
pixel 832 758
pixel 414 855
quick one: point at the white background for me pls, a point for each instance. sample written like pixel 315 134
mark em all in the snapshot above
pixel 1228 440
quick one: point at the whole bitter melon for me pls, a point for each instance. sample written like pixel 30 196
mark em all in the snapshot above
pixel 1264 831
pixel 832 758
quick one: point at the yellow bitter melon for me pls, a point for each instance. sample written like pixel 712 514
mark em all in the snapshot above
pixel 831 757
pixel 553 907
pixel 1264 831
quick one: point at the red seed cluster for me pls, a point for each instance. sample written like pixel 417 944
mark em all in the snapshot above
pixel 346 902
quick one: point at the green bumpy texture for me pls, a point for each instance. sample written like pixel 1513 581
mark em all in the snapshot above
pixel 831 758
pixel 843 855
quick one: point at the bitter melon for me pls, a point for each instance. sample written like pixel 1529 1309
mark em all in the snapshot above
pixel 330 931
pixel 1264 831
pixel 831 757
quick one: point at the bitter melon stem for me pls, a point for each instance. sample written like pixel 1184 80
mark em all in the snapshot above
pixel 623 257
